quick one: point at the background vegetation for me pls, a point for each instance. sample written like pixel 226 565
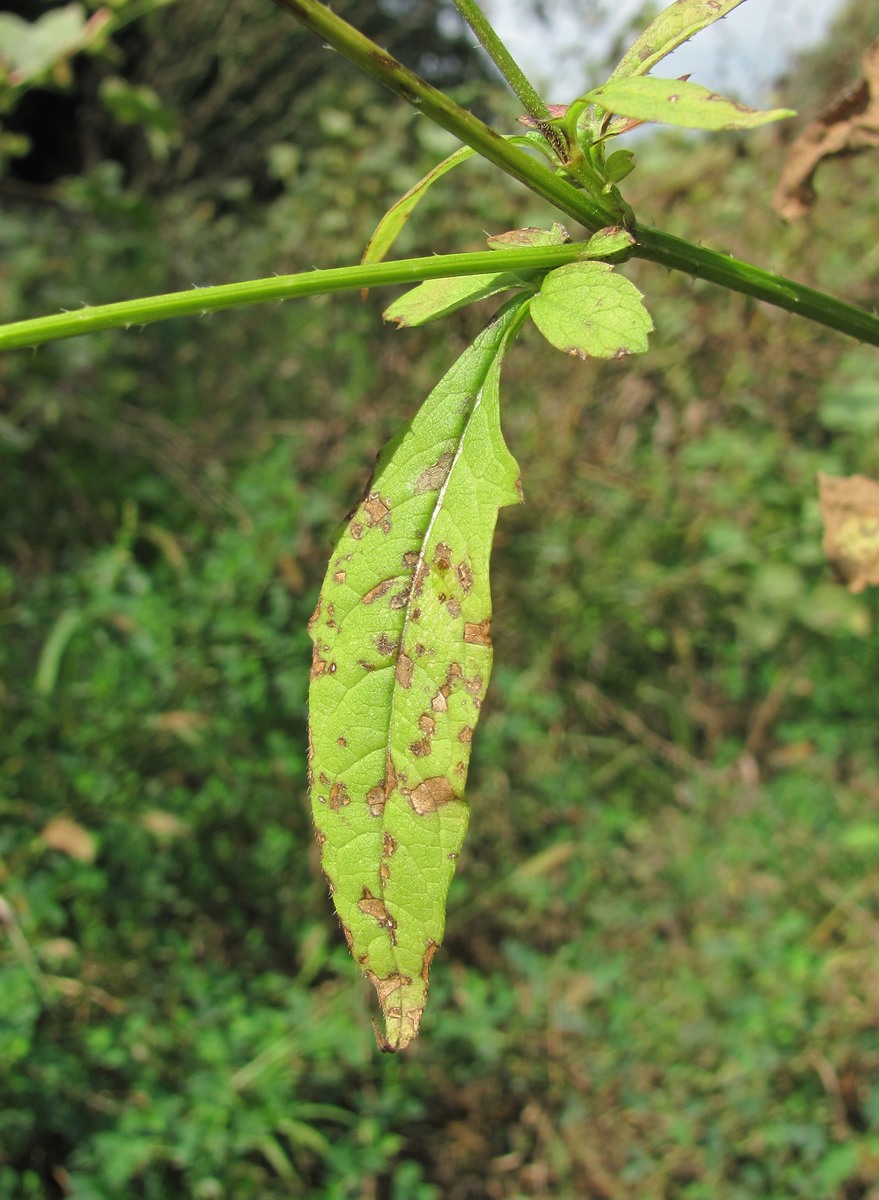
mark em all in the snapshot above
pixel 660 975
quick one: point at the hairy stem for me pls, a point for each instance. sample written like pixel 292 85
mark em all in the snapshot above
pixel 127 314
pixel 652 244
pixel 351 43
pixel 531 100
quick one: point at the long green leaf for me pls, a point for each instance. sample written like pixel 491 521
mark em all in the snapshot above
pixel 402 654
pixel 677 102
pixel 674 26
pixel 388 229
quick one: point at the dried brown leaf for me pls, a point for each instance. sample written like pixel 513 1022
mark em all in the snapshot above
pixel 849 125
pixel 70 838
pixel 850 508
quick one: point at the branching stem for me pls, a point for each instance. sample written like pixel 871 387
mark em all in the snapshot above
pixel 652 244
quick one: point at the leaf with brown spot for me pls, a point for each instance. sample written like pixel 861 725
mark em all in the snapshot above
pixel 681 103
pixel 675 25
pixel 389 736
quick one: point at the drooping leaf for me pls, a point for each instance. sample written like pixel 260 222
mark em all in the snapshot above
pixel 674 26
pixel 437 298
pixel 402 654
pixel 679 102
pixel 388 229
pixel 588 310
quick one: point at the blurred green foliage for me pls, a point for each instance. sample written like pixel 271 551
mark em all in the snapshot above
pixel 659 977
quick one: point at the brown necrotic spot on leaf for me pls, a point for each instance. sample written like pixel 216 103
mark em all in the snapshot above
pixel 442 556
pixel 339 797
pixel 478 633
pixel 378 591
pixel 385 646
pixel 315 616
pixel 475 686
pixel 466 735
pixel 417 585
pixel 440 702
pixel 454 607
pixel 319 665
pixel 432 478
pixel 404 671
pixel 465 576
pixel 356 530
pixel 324 779
pixel 429 954
pixel 386 987
pixel 420 650
pixel 431 795
pixel 342 741
pixel 410 558
pixel 376 799
pixel 401 599
pixel 389 845
pixel 377 511
pixel 339 576
pixel 427 724
pixel 420 749
pixel 373 906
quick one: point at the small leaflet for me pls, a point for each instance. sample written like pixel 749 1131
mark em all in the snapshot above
pixel 589 311
pixel 401 660
pixel 681 103
pixel 557 235
pixel 613 239
pixel 674 26
pixel 437 298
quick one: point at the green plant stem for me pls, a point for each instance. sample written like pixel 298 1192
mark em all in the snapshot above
pixel 738 276
pixel 531 100
pixel 351 43
pixel 127 314
pixel 652 244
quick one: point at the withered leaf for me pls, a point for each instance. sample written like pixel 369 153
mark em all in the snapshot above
pixel 849 125
pixel 850 508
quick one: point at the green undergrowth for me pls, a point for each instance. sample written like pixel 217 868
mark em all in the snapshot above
pixel 659 976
